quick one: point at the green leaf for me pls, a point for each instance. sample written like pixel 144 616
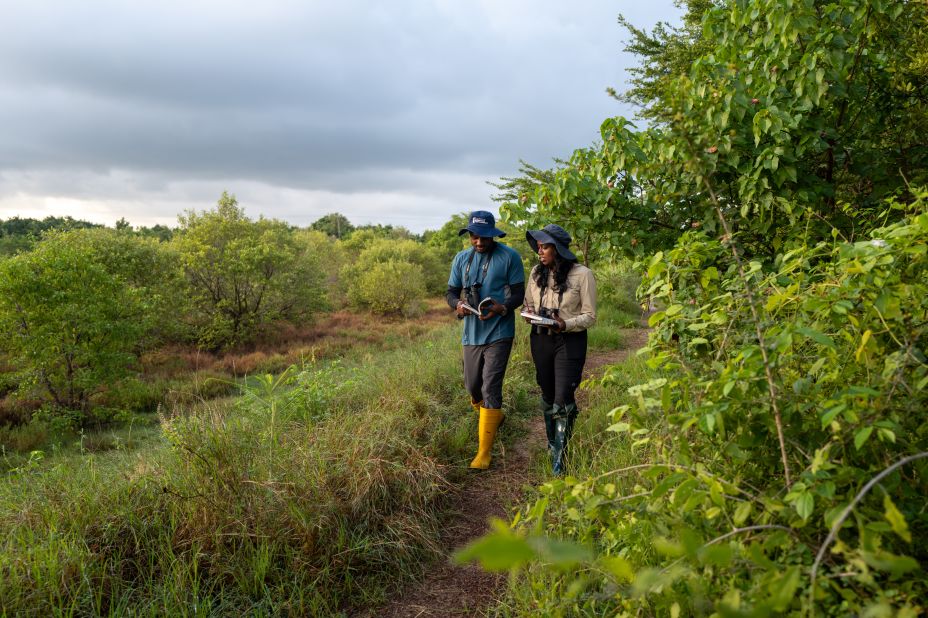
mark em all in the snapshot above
pixel 500 551
pixel 817 336
pixel 784 589
pixel 717 555
pixel 804 505
pixel 619 567
pixel 648 579
pixel 559 553
pixel 656 318
pixel 896 519
pixel 619 427
pixel 861 437
pixel 741 513
pixel 886 561
pixel 829 415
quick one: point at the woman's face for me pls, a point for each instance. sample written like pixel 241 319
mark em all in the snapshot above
pixel 546 253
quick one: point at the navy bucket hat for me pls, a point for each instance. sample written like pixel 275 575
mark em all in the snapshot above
pixel 482 223
pixel 551 234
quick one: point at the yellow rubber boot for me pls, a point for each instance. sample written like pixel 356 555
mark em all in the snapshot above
pixel 476 405
pixel 490 420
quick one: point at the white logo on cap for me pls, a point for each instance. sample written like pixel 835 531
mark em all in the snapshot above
pixel 479 220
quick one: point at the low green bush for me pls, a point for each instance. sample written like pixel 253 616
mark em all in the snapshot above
pixel 390 287
pixel 23 438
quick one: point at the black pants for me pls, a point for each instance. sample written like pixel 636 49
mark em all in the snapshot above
pixel 559 360
pixel 484 368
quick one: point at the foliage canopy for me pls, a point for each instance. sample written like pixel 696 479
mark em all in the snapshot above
pixel 242 274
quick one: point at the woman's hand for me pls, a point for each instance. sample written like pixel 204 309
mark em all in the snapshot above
pixel 530 310
pixel 561 324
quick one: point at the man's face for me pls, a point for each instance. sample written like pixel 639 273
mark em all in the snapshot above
pixel 481 244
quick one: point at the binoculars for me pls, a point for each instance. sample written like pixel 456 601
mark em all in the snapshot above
pixel 472 294
pixel 545 312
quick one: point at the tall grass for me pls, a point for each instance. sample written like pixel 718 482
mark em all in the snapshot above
pixel 539 591
pixel 308 496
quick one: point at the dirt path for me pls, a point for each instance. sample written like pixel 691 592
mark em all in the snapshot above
pixel 451 590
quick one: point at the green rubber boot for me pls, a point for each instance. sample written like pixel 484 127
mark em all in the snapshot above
pixel 564 417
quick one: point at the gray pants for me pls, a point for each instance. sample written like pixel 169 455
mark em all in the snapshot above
pixel 484 368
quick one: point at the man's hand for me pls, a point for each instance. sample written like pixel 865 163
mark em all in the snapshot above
pixel 494 310
pixel 460 311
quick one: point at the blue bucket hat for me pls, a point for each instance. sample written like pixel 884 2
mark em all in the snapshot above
pixel 482 223
pixel 551 234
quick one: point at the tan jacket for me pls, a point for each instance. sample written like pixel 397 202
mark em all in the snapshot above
pixel 578 304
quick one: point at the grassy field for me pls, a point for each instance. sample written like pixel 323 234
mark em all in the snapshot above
pixel 306 495
pixel 177 377
pixel 315 490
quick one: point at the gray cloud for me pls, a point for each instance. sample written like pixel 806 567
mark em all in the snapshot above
pixel 108 104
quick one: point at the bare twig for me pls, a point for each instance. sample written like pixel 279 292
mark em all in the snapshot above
pixel 678 467
pixel 752 302
pixel 737 531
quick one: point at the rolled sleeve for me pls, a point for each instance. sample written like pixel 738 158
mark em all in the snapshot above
pixel 586 318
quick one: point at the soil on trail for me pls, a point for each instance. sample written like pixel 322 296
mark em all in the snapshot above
pixel 451 590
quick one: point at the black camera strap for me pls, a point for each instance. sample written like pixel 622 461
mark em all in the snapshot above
pixel 544 288
pixel 483 276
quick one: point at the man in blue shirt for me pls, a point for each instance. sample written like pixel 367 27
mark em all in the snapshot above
pixel 489 276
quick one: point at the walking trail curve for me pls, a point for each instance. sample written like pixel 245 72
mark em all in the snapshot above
pixel 452 590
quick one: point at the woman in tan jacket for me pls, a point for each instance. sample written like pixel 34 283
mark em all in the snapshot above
pixel 563 291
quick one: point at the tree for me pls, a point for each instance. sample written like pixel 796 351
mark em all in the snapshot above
pixel 607 215
pixel 333 224
pixel 76 310
pixel 389 287
pixel 243 274
pixel 665 53
pixel 397 232
pixel 782 116
pixel 446 240
pixel 158 231
pixel 783 433
pixel 787 113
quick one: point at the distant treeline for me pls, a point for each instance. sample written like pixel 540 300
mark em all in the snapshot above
pixel 21 233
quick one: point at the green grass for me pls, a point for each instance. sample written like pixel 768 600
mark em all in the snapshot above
pixel 606 334
pixel 536 591
pixel 306 499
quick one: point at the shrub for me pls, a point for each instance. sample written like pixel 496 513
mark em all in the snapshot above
pixel 329 256
pixel 616 286
pixel 389 287
pixel 434 272
pixel 777 461
pixel 76 310
pixel 23 438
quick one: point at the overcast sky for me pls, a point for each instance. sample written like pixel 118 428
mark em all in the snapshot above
pixel 388 112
